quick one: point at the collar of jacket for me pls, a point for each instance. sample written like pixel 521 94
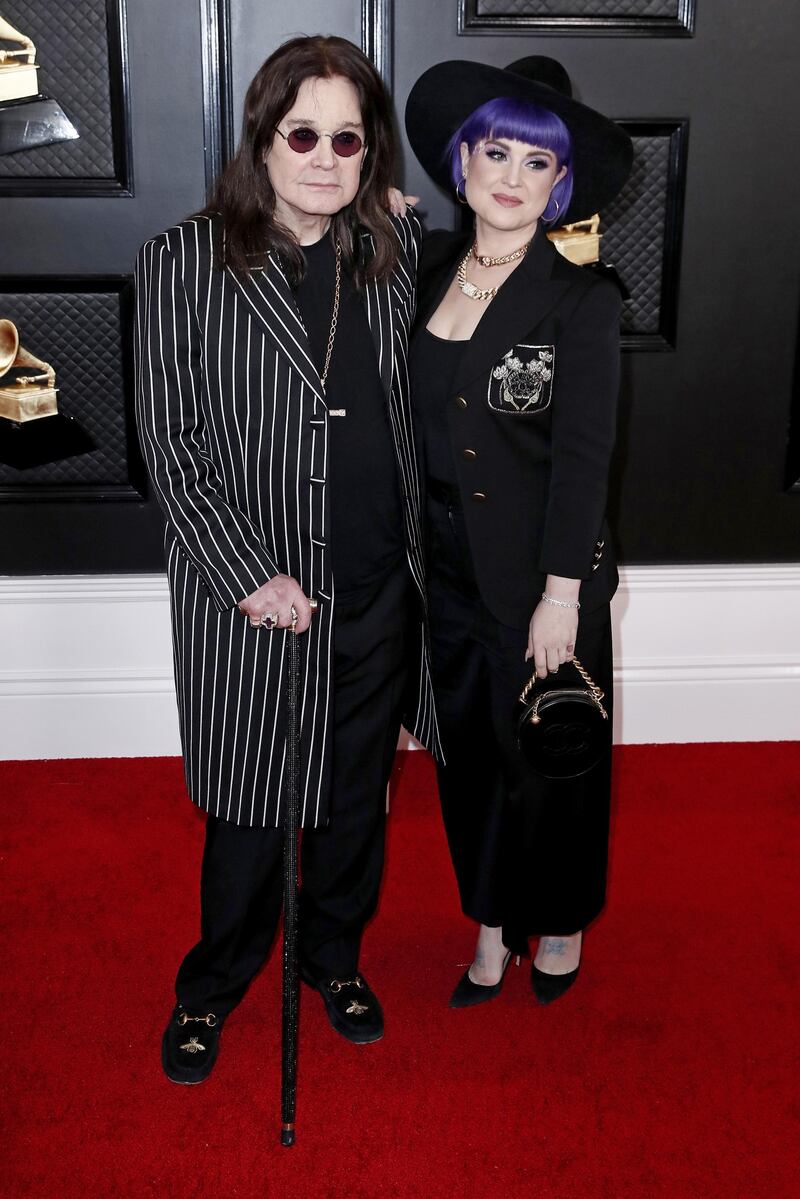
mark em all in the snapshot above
pixel 526 297
pixel 269 295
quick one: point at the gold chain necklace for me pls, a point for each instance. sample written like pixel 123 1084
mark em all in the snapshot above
pixel 486 260
pixel 469 289
pixel 335 316
pixel 482 293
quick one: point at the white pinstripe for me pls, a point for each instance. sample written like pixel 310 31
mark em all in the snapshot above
pixel 233 425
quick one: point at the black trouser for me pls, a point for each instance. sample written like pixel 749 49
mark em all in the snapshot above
pixel 341 863
pixel 530 854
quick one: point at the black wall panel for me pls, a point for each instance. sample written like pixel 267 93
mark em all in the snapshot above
pixel 85 324
pixel 703 235
pixel 66 262
pixel 700 472
pixel 642 18
pixel 84 65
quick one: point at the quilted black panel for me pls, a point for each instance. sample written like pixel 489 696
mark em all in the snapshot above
pixel 578 8
pixel 80 335
pixel 72 48
pixel 633 228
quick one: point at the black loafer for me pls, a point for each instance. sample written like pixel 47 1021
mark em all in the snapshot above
pixel 352 1007
pixel 190 1046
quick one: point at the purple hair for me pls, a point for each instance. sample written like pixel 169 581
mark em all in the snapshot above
pixel 522 122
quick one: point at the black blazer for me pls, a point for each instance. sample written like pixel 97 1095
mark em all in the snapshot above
pixel 234 427
pixel 532 420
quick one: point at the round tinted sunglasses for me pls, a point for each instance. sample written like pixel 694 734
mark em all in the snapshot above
pixel 302 140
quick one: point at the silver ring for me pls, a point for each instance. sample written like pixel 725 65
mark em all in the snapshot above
pixel 269 620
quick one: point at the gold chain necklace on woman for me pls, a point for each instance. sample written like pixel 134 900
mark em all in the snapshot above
pixel 483 293
pixel 486 260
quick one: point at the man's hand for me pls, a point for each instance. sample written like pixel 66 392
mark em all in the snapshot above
pixel 277 598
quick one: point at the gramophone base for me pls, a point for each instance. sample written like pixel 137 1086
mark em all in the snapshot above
pixel 38 442
pixel 38 121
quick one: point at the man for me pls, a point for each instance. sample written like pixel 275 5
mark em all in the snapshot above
pixel 274 419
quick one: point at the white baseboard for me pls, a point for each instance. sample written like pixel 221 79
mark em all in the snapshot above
pixel 707 653
pixel 703 653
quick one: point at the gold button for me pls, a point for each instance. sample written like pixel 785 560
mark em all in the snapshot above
pixel 470 455
pixel 462 403
pixel 480 496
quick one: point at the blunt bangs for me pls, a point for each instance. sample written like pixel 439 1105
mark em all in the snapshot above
pixel 518 121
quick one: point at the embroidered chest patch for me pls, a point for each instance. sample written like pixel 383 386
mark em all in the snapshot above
pixel 523 381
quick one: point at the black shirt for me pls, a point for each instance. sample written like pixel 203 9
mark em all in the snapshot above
pixel 432 363
pixel 366 514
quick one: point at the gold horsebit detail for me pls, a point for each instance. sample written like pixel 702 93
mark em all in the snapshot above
pixel 193 1045
pixel 356 1008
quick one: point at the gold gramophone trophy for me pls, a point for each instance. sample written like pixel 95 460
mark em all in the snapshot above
pixel 27 118
pixel 33 430
pixel 580 241
pixel 27 385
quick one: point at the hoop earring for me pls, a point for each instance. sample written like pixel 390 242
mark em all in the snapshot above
pixel 550 219
pixel 461 199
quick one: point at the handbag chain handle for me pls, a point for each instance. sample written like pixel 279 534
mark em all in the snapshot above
pixel 595 692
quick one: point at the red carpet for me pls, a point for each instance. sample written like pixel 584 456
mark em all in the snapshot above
pixel 670 1068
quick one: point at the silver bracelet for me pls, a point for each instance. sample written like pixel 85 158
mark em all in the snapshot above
pixel 548 599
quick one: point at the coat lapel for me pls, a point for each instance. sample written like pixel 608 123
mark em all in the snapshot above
pixel 268 294
pixel 525 298
pixel 523 301
pixel 380 315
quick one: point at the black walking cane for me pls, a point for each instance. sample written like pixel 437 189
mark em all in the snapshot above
pixel 291 816
pixel 291 821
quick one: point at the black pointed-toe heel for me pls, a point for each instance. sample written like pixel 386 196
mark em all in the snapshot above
pixel 468 993
pixel 547 987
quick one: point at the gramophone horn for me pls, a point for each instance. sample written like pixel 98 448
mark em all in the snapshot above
pixel 9 345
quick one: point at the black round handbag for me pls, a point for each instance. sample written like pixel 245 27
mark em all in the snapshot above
pixel 564 730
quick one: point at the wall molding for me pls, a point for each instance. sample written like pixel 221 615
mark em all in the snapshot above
pixel 670 579
pixel 377 37
pixel 704 653
pixel 584 22
pixel 218 134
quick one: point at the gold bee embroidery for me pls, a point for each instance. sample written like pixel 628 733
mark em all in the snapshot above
pixel 357 1009
pixel 193 1046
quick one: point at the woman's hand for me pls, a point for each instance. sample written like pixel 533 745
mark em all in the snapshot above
pixel 396 202
pixel 553 629
pixel 278 597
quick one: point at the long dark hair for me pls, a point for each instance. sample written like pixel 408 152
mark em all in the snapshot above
pixel 243 194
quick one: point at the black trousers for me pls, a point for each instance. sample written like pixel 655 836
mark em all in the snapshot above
pixel 530 854
pixel 342 863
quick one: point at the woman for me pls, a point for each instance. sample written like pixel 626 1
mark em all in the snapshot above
pixel 514 380
pixel 273 412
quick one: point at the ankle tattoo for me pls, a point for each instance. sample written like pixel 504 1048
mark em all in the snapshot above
pixel 554 945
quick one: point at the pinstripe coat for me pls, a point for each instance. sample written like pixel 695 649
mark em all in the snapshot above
pixel 234 428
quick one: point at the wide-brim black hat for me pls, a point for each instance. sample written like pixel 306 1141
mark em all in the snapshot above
pixel 445 95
